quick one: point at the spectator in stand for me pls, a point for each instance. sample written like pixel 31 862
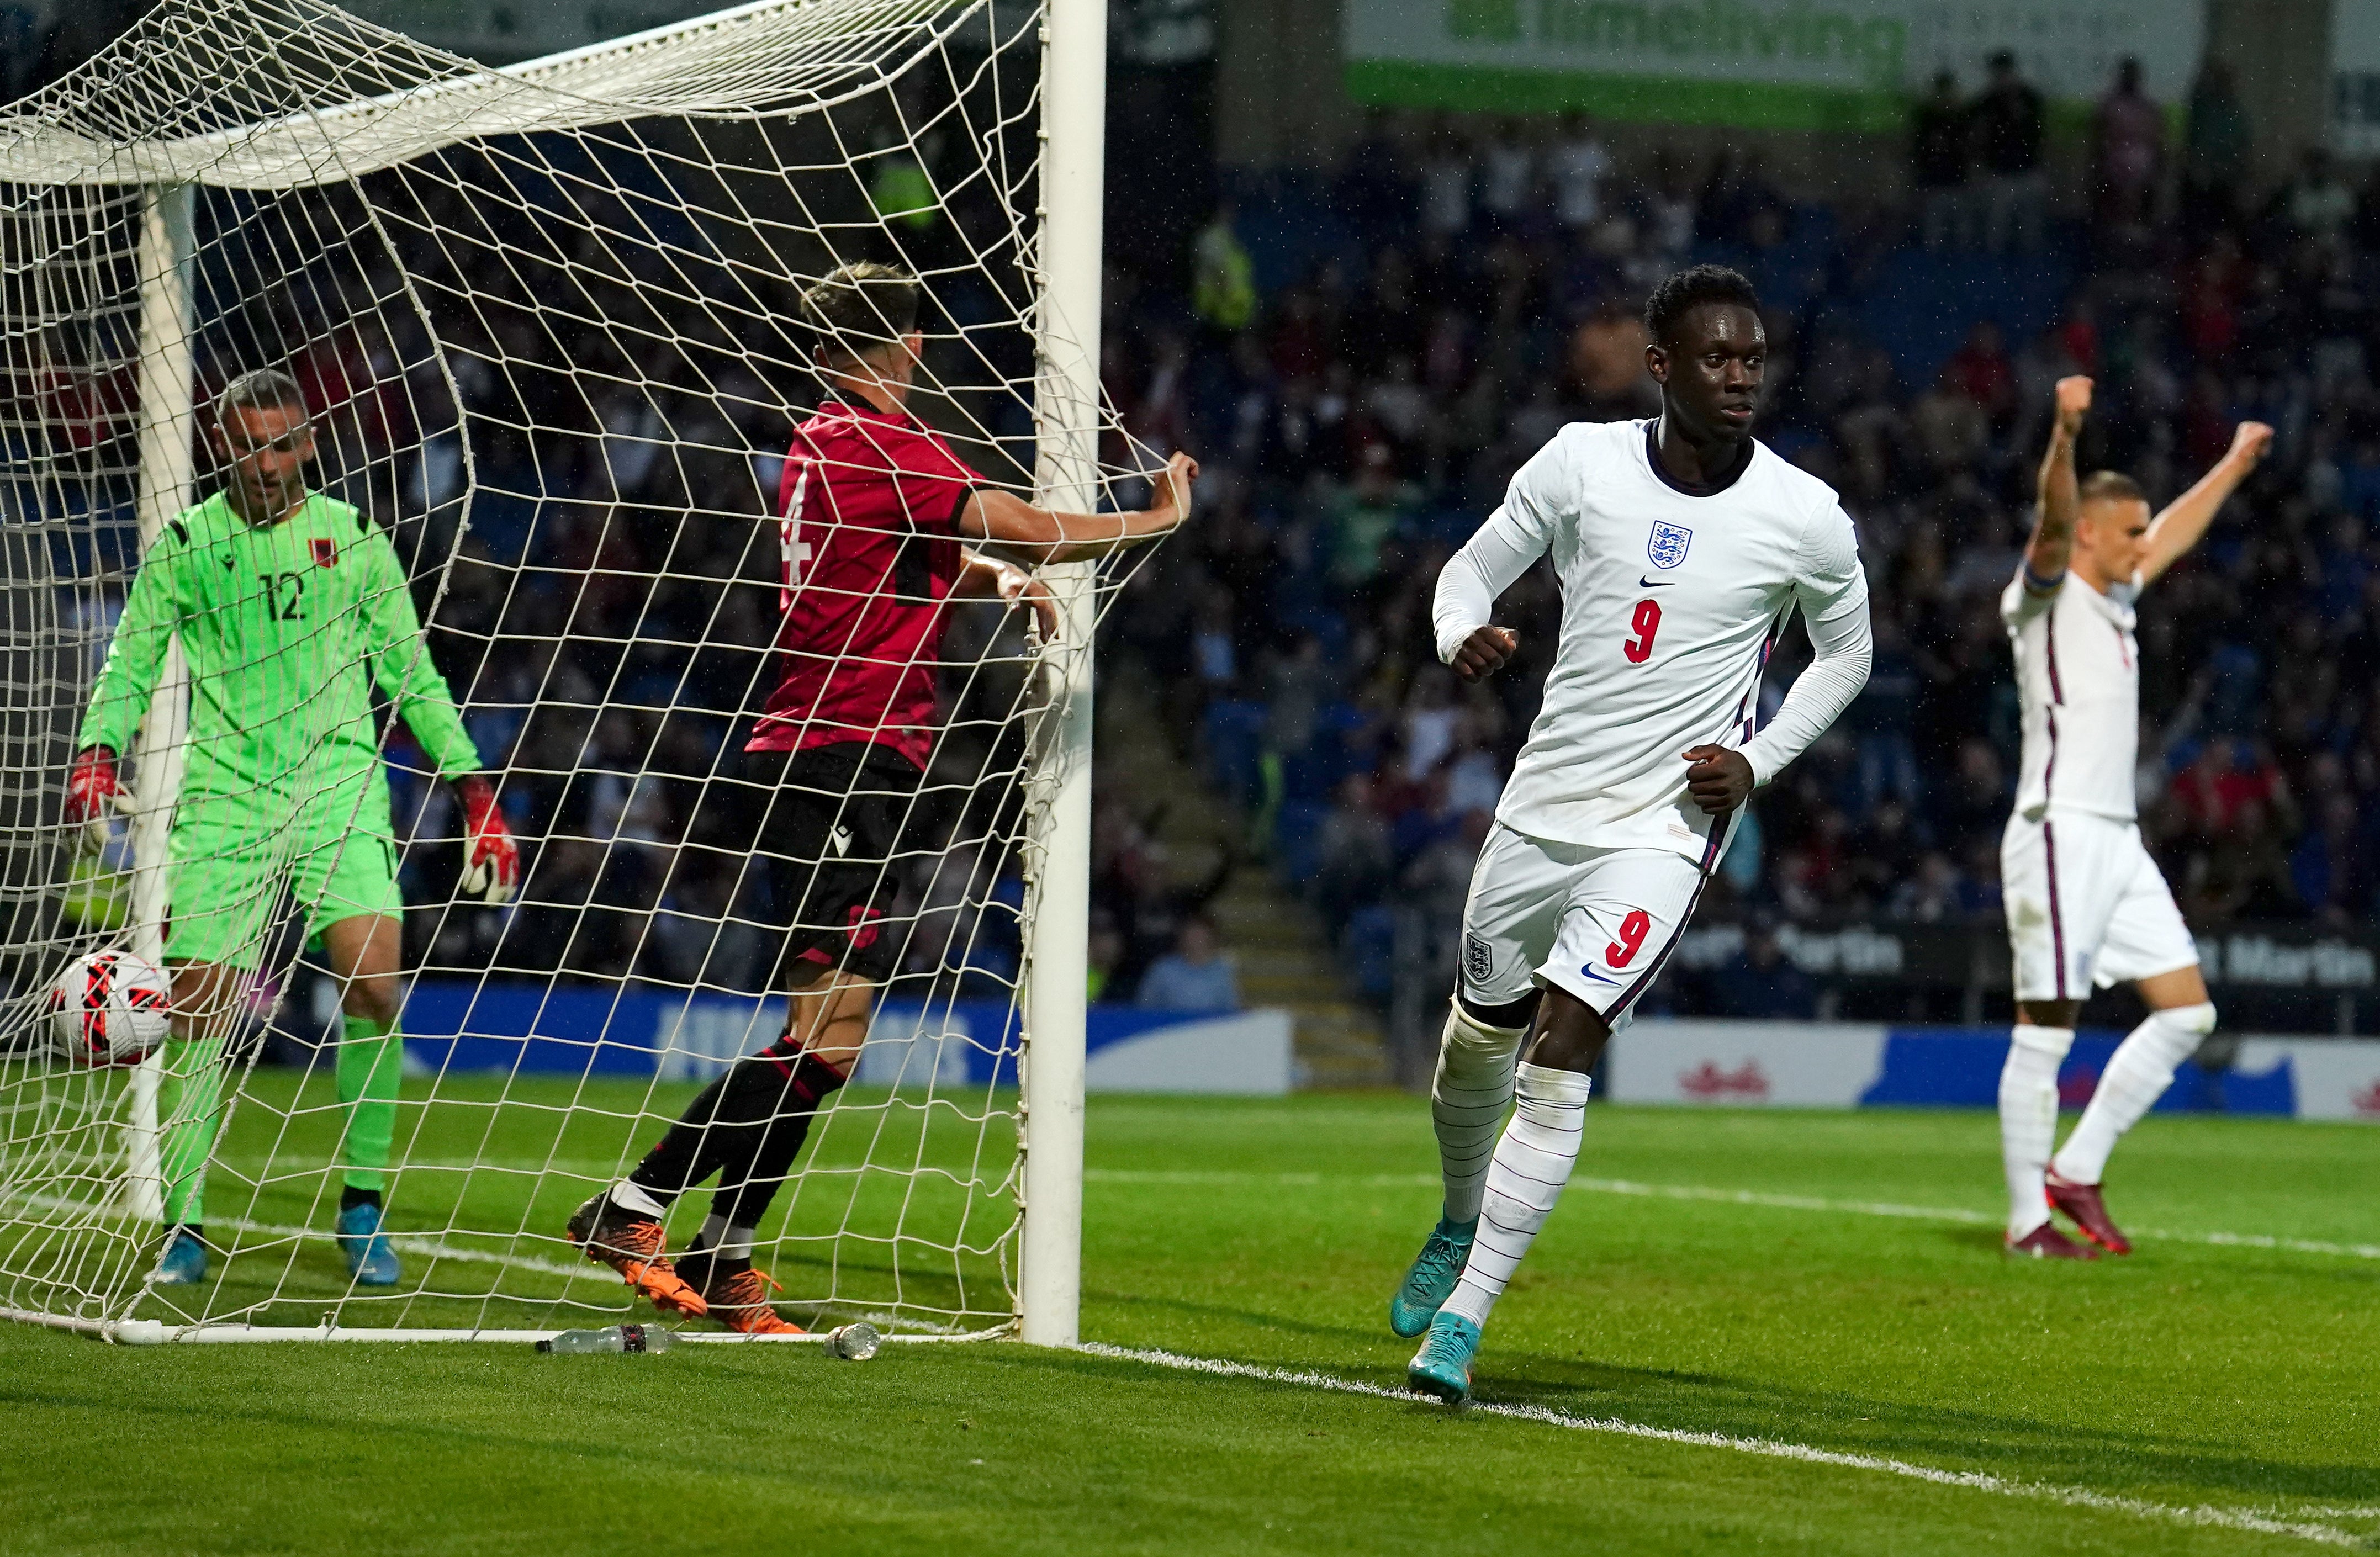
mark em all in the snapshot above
pixel 1740 207
pixel 1103 953
pixel 2009 129
pixel 1760 983
pixel 1577 165
pixel 1223 288
pixel 1940 148
pixel 1198 975
pixel 2127 149
pixel 1508 175
pixel 1449 174
pixel 1355 858
pixel 1375 190
pixel 2316 203
pixel 1883 716
pixel 2215 149
pixel 1369 412
pixel 1932 895
pixel 1981 371
pixel 1668 218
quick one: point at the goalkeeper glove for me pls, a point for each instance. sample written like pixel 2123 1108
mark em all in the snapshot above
pixel 90 793
pixel 491 857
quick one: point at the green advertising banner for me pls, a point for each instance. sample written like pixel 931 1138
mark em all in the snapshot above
pixel 1763 64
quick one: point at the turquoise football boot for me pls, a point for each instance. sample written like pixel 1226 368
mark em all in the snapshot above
pixel 1431 1281
pixel 369 1259
pixel 184 1263
pixel 1442 1367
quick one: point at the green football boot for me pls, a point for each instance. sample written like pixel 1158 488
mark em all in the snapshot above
pixel 1442 1367
pixel 1431 1281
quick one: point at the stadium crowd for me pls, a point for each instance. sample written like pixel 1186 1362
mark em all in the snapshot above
pixel 1362 361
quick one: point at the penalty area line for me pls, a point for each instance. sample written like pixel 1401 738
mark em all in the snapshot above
pixel 2203 1514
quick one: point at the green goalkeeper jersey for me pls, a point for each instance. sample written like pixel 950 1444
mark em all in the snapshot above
pixel 286 629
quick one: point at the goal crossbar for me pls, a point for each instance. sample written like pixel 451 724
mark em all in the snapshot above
pixel 752 58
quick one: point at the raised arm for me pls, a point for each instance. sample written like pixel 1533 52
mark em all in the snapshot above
pixel 1044 536
pixel 2184 523
pixel 2045 555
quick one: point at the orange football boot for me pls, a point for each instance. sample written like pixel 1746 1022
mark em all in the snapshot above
pixel 741 1303
pixel 632 1244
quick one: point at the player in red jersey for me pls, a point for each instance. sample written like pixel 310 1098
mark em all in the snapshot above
pixel 875 517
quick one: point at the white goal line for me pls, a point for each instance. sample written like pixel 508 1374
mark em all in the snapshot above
pixel 430 1248
pixel 2204 1515
pixel 155 1332
pixel 1732 1198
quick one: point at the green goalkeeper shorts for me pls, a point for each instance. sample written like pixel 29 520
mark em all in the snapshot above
pixel 230 858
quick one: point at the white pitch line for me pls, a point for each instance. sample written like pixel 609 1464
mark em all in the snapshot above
pixel 1730 1197
pixel 433 1248
pixel 410 1243
pixel 1771 1448
pixel 430 1248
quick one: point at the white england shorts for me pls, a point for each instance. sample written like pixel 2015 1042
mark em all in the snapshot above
pixel 1596 923
pixel 2086 906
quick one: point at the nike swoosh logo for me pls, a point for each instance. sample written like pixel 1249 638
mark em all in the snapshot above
pixel 1598 978
pixel 1653 583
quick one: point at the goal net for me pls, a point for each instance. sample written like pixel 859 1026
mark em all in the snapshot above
pixel 545 322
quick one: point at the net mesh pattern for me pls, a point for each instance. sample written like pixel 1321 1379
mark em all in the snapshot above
pixel 544 319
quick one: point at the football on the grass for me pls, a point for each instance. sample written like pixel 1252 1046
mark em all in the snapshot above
pixel 108 1008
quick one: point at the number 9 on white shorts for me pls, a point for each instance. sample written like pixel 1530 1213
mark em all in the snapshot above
pixel 1598 923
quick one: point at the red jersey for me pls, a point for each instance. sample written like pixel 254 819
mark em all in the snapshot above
pixel 869 549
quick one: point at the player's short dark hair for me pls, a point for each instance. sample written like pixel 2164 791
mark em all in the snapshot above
pixel 1689 289
pixel 2110 486
pixel 266 389
pixel 858 308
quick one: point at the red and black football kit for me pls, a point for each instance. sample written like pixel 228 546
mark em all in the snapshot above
pixel 868 549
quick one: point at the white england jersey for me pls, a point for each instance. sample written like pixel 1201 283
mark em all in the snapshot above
pixel 2078 677
pixel 1670 604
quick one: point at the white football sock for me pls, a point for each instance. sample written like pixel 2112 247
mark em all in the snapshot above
pixel 721 1240
pixel 630 1196
pixel 1532 1163
pixel 2143 1068
pixel 1467 1100
pixel 2029 1119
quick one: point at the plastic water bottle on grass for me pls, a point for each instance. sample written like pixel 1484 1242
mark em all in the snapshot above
pixel 853 1342
pixel 613 1338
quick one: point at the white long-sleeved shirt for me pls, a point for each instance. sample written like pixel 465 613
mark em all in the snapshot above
pixel 2078 677
pixel 1671 602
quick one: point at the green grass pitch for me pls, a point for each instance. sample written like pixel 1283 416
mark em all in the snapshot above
pixel 1829 1282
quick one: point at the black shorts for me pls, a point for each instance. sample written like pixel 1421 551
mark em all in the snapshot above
pixel 831 836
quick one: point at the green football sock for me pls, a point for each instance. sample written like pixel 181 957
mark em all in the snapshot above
pixel 371 1060
pixel 190 1100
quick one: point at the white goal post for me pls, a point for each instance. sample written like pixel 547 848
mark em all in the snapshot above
pixel 543 311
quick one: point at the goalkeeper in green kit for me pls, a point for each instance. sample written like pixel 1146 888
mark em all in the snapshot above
pixel 291 607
